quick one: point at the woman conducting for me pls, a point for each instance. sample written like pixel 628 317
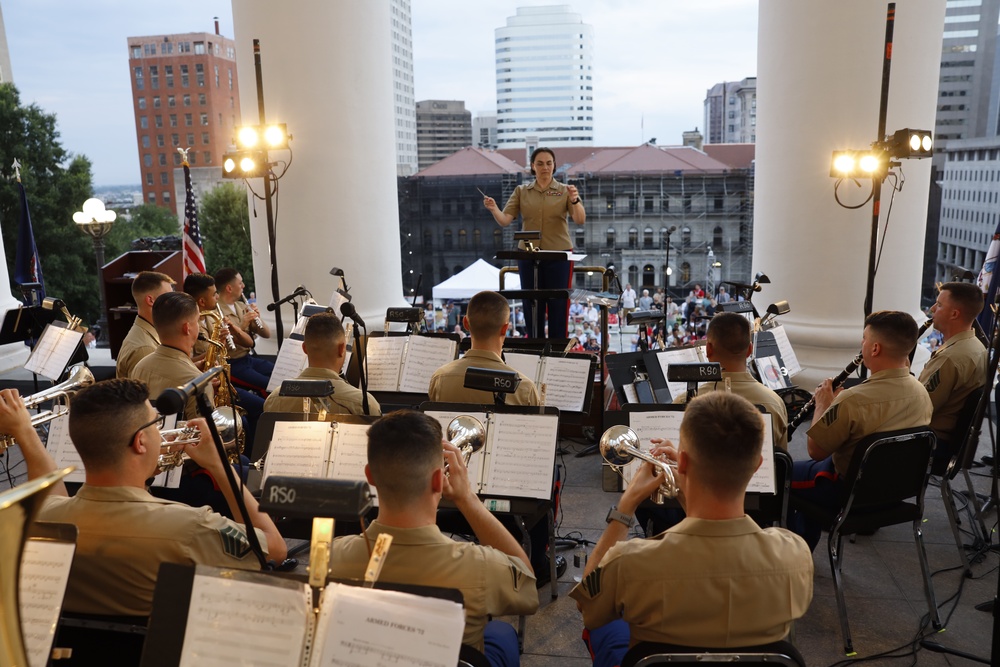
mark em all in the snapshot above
pixel 543 206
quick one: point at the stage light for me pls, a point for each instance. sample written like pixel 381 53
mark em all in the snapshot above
pixel 246 137
pixel 908 143
pixel 843 163
pixel 252 136
pixel 276 136
pixel 868 163
pixel 859 164
pixel 244 164
pixel 228 165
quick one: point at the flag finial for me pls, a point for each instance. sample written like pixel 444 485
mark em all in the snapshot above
pixel 17 170
pixel 184 153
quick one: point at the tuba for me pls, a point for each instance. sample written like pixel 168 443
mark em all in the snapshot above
pixel 620 445
pixel 80 377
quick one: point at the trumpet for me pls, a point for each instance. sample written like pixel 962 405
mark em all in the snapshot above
pixel 79 377
pixel 794 422
pixel 466 433
pixel 182 435
pixel 620 445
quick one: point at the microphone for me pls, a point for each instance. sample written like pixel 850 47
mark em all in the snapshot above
pixel 299 291
pixel 172 400
pixel 348 310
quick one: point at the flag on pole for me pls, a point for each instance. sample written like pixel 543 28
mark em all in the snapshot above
pixel 194 253
pixel 27 267
pixel 988 283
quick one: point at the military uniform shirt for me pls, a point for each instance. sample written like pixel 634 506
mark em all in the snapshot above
pixel 140 342
pixel 743 384
pixel 715 584
pixel 346 397
pixel 236 313
pixel 169 367
pixel 448 382
pixel 544 211
pixel 492 583
pixel 887 401
pixel 954 371
pixel 124 536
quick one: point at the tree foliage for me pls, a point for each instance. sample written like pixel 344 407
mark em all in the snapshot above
pixel 144 220
pixel 223 216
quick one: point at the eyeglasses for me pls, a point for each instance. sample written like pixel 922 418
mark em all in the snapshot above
pixel 160 420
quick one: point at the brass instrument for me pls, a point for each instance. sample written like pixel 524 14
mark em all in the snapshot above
pixel 17 510
pixel 78 378
pixel 466 433
pixel 225 395
pixel 169 456
pixel 794 422
pixel 620 445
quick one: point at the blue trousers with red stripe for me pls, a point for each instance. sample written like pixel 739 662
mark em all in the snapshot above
pixel 815 482
pixel 607 644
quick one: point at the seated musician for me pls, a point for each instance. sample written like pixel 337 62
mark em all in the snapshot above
pixel 142 339
pixel 889 400
pixel 487 319
pixel 716 579
pixel 249 369
pixel 958 367
pixel 124 532
pixel 405 466
pixel 325 344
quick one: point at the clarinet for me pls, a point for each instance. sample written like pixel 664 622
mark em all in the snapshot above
pixel 256 320
pixel 794 422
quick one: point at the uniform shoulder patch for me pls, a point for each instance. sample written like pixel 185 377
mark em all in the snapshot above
pixel 234 542
pixel 830 415
pixel 592 583
pixel 933 381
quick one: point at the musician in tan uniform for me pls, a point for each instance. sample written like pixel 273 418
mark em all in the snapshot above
pixel 958 367
pixel 487 318
pixel 250 370
pixel 889 400
pixel 405 465
pixel 325 344
pixel 716 579
pixel 201 286
pixel 141 339
pixel 125 533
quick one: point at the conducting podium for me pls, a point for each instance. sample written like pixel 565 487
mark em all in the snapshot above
pixel 535 297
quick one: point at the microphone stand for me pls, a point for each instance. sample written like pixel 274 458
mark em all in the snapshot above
pixel 362 378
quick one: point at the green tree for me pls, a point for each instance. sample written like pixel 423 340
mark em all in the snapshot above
pixel 56 183
pixel 145 220
pixel 223 217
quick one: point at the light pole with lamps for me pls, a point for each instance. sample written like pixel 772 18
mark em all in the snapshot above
pixel 96 222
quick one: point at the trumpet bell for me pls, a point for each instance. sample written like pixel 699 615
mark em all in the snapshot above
pixel 467 433
pixel 614 443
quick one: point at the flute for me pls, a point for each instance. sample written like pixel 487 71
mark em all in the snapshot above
pixel 256 320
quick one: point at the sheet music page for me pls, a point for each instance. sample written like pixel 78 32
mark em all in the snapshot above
pixel 630 394
pixel 349 452
pixel 45 568
pixel 289 364
pixel 477 462
pixel 53 351
pixel 664 424
pixel 361 627
pixel 522 452
pixel 385 357
pixel 237 622
pixel 528 364
pixel 792 364
pixel 770 372
pixel 565 381
pixel 299 449
pixel 424 356
pixel 763 480
pixel 688 355
pixel 62 450
pixel 349 337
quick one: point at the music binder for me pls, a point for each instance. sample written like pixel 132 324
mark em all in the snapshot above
pixel 656 366
pixel 290 362
pixel 565 382
pixel 55 350
pixel 406 363
pixel 45 565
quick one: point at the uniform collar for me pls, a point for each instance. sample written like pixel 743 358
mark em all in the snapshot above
pixel 409 536
pixel 890 373
pixel 716 527
pixel 482 354
pixel 738 376
pixel 957 338
pixel 321 373
pixel 116 494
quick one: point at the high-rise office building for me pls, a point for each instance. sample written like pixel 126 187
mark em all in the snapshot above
pixel 545 86
pixel 185 95
pixel 731 112
pixel 484 130
pixel 402 79
pixel 443 127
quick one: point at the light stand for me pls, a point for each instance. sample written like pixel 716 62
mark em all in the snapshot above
pixel 95 221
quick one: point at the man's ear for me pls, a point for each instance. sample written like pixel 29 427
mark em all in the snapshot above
pixel 341 348
pixel 368 475
pixel 437 480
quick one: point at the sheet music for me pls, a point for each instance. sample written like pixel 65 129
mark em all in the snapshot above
pixel 687 355
pixel 478 460
pixel 53 351
pixel 45 566
pixel 792 365
pixel 290 363
pixel 62 450
pixel 232 621
pixel 299 449
pixel 526 364
pixel 349 453
pixel 763 480
pixel 630 395
pixel 424 356
pixel 349 337
pixel 522 452
pixel 359 627
pixel 384 360
pixel 770 372
pixel 663 424
pixel 565 381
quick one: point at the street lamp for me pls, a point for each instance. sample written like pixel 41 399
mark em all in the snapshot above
pixel 96 221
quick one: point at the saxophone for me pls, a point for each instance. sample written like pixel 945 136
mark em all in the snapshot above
pixel 226 401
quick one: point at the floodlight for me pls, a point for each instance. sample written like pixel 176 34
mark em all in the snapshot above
pixel 276 136
pixel 244 164
pixel 246 137
pixel 907 143
pixel 859 164
pixel 273 136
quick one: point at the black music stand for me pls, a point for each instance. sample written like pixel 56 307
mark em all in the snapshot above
pixel 534 296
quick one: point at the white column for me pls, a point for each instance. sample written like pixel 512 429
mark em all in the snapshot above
pixel 327 74
pixel 15 354
pixel 819 80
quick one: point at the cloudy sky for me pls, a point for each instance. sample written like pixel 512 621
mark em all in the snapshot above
pixel 654 60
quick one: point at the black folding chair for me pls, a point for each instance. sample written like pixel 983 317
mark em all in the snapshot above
pixel 772 510
pixel 884 486
pixel 650 653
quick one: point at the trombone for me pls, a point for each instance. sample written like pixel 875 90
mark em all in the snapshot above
pixel 80 377
pixel 620 446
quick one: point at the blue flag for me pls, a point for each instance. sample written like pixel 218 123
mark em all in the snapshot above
pixel 988 283
pixel 27 267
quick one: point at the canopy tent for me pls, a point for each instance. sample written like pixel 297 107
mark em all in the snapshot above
pixel 476 278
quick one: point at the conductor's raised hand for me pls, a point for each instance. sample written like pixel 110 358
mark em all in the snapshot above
pixel 490 203
pixel 456 479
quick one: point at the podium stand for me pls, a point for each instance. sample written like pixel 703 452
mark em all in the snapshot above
pixel 534 296
pixel 117 276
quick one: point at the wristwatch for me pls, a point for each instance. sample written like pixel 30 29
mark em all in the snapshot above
pixel 626 520
pixel 575 201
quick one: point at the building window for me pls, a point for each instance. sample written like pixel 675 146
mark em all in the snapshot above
pixel 633 238
pixel 164 178
pixel 143 122
pixel 154 77
pixel 138 78
pixel 686 236
pixel 204 119
pixel 647 204
pixel 136 52
pixel 158 121
pixel 611 204
pixel 142 102
pixel 190 139
pixel 648 275
pixel 719 203
pixel 580 237
pixel 151 197
pixel 477 238
pixel 187 100
pixel 717 238
pixel 159 141
pixel 664 239
pixel 202 99
pixel 163 159
pixel 205 139
pixel 147 160
pixel 647 238
pixel 611 237
pixel 171 101
pixel 428 240
pixel 633 275
pixel 156 101
pixel 447 239
pixel 168 75
pixel 184 76
pixel 175 139
pixel 166 196
pixel 173 120
pixel 462 239
pixel 216 76
pixel 497 238
pixel 188 119
pixel 177 159
pixel 685 273
pixel 192 158
pixel 199 48
pixel 230 79
pixel 145 141
pixel 208 157
pixel 199 75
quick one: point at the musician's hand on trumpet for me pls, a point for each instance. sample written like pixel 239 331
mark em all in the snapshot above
pixel 203 451
pixel 15 421
pixel 456 487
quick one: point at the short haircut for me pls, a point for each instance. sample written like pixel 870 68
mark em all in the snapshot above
pixel 172 308
pixel 895 330
pixel 724 434
pixel 103 415
pixel 730 332
pixel 146 282
pixel 487 313
pixel 535 153
pixel 404 448
pixel 967 297
pixel 324 332
pixel 225 276
pixel 197 284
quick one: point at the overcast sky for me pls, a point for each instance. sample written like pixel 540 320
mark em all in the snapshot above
pixel 653 59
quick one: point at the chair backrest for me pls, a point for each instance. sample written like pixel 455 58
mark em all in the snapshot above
pixel 650 653
pixel 889 467
pixel 472 657
pixel 965 445
pixel 771 510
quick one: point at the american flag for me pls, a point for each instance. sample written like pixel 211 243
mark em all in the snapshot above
pixel 194 254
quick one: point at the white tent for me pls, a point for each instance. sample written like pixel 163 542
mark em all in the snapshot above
pixel 476 278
